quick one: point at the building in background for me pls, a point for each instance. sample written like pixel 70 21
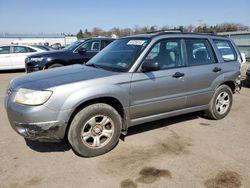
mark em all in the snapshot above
pixel 241 39
pixel 36 39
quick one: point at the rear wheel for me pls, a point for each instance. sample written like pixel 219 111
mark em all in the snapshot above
pixel 221 103
pixel 95 130
pixel 55 66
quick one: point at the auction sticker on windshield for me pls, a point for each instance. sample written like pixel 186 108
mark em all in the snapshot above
pixel 136 42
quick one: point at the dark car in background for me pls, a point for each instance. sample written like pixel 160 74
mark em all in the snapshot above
pixel 78 52
pixel 248 73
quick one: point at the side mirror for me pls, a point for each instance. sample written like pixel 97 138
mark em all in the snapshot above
pixel 82 51
pixel 150 66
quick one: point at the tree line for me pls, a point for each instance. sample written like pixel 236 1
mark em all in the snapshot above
pixel 204 28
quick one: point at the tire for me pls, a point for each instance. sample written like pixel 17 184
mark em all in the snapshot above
pixel 221 103
pixel 95 130
pixel 55 66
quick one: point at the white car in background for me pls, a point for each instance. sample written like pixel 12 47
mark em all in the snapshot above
pixel 244 60
pixel 226 53
pixel 13 56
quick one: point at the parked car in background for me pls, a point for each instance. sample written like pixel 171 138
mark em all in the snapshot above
pixel 244 59
pixel 57 46
pixel 227 53
pixel 13 56
pixel 248 74
pixel 134 80
pixel 78 52
pixel 44 47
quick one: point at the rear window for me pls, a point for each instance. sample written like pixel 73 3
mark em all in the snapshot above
pixel 226 50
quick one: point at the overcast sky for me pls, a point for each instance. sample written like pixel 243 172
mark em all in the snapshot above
pixel 58 16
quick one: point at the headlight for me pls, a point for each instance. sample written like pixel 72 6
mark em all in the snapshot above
pixel 36 59
pixel 32 97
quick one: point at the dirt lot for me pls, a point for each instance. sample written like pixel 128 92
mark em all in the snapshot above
pixel 185 152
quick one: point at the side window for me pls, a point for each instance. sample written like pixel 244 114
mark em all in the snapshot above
pixel 199 52
pixel 105 43
pixel 168 53
pixel 226 50
pixel 4 50
pixel 31 50
pixel 20 49
pixel 91 45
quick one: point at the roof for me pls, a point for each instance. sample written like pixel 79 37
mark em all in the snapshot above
pixel 6 35
pixel 24 45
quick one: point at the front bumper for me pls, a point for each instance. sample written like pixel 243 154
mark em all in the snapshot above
pixel 31 66
pixel 37 122
pixel 29 69
pixel 42 131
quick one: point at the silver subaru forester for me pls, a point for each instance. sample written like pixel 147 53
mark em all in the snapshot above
pixel 134 80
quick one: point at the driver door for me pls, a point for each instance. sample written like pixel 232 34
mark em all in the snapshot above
pixel 155 93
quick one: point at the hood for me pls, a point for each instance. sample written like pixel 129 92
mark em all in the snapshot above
pixel 54 77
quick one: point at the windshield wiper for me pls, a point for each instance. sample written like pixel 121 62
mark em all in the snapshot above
pixel 94 65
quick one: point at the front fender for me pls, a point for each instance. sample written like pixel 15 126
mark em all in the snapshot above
pixel 116 91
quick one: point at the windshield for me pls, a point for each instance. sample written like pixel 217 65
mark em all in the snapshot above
pixel 73 45
pixel 119 55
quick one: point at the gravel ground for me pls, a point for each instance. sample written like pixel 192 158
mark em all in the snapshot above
pixel 185 151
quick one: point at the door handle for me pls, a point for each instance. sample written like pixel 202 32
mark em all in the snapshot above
pixel 216 69
pixel 178 75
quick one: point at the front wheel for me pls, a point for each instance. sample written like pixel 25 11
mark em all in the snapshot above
pixel 221 103
pixel 95 130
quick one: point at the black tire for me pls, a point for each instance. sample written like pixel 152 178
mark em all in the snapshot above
pixel 55 66
pixel 218 110
pixel 81 123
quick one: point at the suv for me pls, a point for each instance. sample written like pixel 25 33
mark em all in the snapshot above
pixel 134 80
pixel 78 52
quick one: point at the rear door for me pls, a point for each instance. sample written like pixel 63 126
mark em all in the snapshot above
pixel 229 58
pixel 203 70
pixel 158 92
pixel 5 60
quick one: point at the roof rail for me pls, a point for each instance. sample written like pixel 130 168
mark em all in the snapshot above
pixel 185 33
pixel 213 33
pixel 166 31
